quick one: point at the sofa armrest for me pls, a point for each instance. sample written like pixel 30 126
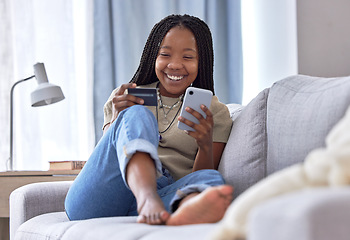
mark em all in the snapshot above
pixel 35 199
pixel 319 213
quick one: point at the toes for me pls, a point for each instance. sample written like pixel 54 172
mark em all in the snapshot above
pixel 164 216
pixel 141 219
pixel 159 218
pixel 154 219
pixel 225 189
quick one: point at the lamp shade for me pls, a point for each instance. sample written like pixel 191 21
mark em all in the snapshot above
pixel 46 93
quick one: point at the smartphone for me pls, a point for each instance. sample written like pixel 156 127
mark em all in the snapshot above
pixel 194 98
pixel 149 95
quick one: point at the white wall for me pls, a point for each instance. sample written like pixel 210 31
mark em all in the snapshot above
pixel 269 35
pixel 324 37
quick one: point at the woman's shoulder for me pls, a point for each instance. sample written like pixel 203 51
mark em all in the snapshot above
pixel 216 105
pixel 222 120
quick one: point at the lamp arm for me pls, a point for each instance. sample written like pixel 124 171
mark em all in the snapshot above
pixel 10 160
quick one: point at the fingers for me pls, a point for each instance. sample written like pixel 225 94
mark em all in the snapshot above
pixel 122 100
pixel 204 123
pixel 203 133
pixel 125 86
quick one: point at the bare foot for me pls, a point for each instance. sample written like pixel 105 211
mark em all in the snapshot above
pixel 152 211
pixel 141 177
pixel 206 207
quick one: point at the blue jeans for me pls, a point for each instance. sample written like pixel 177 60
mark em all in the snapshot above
pixel 100 190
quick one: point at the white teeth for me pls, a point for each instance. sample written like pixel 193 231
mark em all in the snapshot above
pixel 175 78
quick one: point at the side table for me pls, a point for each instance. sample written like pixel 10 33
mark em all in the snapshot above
pixel 9 181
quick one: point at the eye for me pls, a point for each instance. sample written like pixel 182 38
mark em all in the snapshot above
pixel 188 57
pixel 164 54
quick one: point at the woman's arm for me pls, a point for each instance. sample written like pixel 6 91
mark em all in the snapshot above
pixel 207 160
pixel 209 153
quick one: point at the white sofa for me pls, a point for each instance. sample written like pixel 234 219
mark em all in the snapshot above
pixel 276 129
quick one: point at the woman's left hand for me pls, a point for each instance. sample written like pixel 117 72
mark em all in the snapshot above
pixel 204 130
pixel 209 153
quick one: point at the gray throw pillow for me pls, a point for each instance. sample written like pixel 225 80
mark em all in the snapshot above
pixel 243 160
pixel 301 112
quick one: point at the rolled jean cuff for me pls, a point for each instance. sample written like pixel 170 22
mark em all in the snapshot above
pixel 139 145
pixel 184 192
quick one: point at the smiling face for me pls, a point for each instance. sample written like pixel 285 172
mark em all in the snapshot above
pixel 177 62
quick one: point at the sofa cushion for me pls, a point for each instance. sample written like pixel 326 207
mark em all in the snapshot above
pixel 301 110
pixel 109 229
pixel 244 158
pixel 190 232
pixel 54 226
pixel 320 213
pixel 43 227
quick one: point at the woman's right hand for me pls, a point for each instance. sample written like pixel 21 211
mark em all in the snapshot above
pixel 121 100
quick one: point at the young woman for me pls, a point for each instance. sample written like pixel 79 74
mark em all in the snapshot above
pixel 144 165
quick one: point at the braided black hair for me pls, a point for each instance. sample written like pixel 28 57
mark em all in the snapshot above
pixel 146 74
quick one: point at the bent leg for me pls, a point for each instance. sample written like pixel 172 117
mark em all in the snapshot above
pixel 194 182
pixel 100 190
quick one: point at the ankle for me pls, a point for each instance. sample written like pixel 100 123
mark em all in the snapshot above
pixel 144 197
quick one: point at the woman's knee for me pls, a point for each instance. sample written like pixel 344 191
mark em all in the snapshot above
pixel 136 120
pixel 214 176
pixel 141 112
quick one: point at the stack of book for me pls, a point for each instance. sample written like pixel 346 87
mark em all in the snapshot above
pixel 67 165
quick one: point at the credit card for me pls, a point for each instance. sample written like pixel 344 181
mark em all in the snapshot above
pixel 149 95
